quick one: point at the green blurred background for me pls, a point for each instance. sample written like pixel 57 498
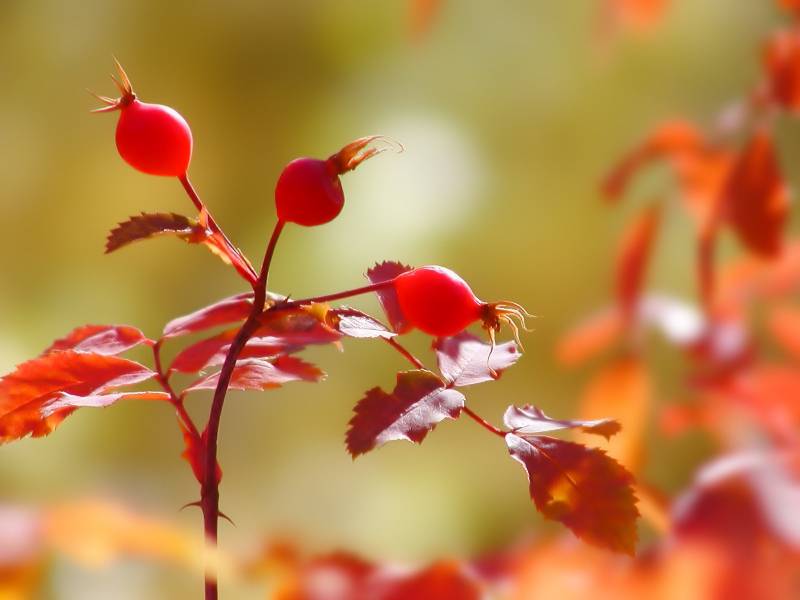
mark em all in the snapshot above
pixel 509 112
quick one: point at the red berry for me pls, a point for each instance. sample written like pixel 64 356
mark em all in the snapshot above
pixel 152 138
pixel 309 192
pixel 437 301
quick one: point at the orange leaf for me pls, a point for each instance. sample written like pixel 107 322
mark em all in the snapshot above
pixel 590 337
pixel 784 324
pixel 228 310
pixel 100 339
pixel 632 258
pixel 581 487
pixel 782 65
pixel 756 199
pixel 621 390
pixel 25 392
pixel 259 374
pixel 636 16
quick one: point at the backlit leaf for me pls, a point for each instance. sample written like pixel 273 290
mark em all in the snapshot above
pixel 531 420
pixel 756 199
pixel 148 225
pixel 228 310
pixel 418 402
pixel 211 352
pixel 590 337
pixel 25 391
pixel 388 297
pixel 622 389
pixel 466 360
pixel 581 487
pixel 445 579
pixel 194 453
pixel 100 339
pixel 65 400
pixel 303 325
pixel 259 374
pixel 782 64
pixel 784 324
pixel 633 256
pixel 354 323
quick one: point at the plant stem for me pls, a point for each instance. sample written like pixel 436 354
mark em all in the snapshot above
pixel 175 400
pixel 210 488
pixel 468 411
pixel 238 260
pixel 373 287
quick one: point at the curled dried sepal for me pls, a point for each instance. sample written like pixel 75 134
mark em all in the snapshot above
pixel 125 87
pixel 495 314
pixel 356 152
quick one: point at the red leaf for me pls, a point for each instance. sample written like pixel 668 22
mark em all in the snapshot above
pixel 590 337
pixel 302 326
pixel 581 487
pixel 108 340
pixel 784 324
pixel 388 297
pixel 227 310
pixel 465 360
pixel 530 420
pixel 258 374
pixel 195 454
pixel 782 65
pixel 443 580
pixel 66 400
pixel 756 199
pixel 792 6
pixel 24 392
pixel 673 140
pixel 148 225
pixel 632 258
pixel 418 402
pixel 356 324
pixel 211 352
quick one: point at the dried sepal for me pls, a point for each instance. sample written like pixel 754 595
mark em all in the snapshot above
pixel 356 152
pixel 125 88
pixel 496 314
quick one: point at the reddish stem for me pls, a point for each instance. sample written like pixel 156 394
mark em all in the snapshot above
pixel 705 267
pixel 468 411
pixel 175 400
pixel 373 287
pixel 210 489
pixel 238 260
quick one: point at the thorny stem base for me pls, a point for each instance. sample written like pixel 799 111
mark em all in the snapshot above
pixel 209 501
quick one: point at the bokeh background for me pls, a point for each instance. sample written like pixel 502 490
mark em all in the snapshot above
pixel 510 113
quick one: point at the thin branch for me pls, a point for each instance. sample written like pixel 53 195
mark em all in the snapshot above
pixel 174 398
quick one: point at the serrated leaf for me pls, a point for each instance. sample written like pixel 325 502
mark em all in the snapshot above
pixel 357 324
pixel 299 326
pixel 211 352
pixel 66 400
pixel 581 487
pixel 756 198
pixel 466 360
pixel 228 310
pixel 258 374
pixel 388 297
pixel 148 225
pixel 25 391
pixel 108 340
pixel 419 401
pixel 531 420
pixel 633 256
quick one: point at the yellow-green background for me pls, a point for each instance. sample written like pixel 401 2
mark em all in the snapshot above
pixel 510 112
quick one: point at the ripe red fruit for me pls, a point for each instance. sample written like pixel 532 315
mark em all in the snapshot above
pixel 309 191
pixel 437 301
pixel 152 138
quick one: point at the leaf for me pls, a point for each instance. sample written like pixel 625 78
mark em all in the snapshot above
pixel 466 360
pixel 65 400
pixel 357 324
pixel 211 352
pixel 590 337
pixel 445 579
pixel 228 310
pixel 782 64
pixel 195 454
pixel 108 340
pixel 148 225
pixel 632 258
pixel 388 297
pixel 24 392
pixel 756 199
pixel 259 374
pixel 623 389
pixel 784 324
pixel 530 420
pixel 581 487
pixel 303 325
pixel 418 402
